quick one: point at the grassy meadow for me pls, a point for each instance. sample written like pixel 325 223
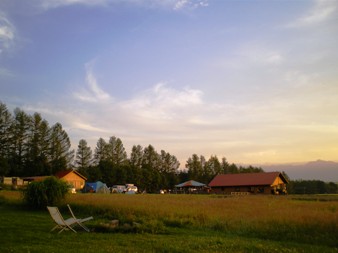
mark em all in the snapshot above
pixel 176 223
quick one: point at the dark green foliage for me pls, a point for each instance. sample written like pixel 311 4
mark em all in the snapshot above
pixel 4 166
pixel 312 187
pixel 84 154
pixel 204 171
pixel 29 147
pixel 60 153
pixel 50 191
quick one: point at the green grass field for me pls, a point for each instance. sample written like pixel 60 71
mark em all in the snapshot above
pixel 176 223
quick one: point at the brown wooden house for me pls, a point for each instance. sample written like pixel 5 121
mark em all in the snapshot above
pixel 72 177
pixel 249 183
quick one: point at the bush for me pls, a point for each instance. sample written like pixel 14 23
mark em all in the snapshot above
pixel 50 191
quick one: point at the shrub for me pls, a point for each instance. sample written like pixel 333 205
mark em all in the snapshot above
pixel 50 191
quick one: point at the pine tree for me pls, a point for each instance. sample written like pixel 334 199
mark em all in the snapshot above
pixel 60 153
pixel 5 139
pixel 101 152
pixel 116 151
pixel 83 155
pixel 37 156
pixel 19 148
pixel 194 167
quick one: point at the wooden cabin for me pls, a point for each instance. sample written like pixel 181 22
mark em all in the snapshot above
pixel 72 177
pixel 249 183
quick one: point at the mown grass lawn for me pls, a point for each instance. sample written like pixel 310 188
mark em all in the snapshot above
pixel 23 230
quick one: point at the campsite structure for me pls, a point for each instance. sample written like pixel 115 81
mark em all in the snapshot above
pixel 73 178
pixel 190 186
pixel 249 183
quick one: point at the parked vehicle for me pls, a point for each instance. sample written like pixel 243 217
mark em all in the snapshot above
pixel 128 188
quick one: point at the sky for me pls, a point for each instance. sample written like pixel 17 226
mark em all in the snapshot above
pixel 253 81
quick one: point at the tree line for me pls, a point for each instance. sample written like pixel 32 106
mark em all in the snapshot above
pixel 312 187
pixel 31 147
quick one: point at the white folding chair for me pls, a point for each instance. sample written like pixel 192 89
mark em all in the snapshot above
pixel 67 224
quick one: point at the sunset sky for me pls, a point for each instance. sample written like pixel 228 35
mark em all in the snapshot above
pixel 254 81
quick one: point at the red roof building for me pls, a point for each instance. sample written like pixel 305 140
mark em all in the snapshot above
pixel 249 183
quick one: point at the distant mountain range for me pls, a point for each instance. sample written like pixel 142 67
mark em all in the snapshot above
pixel 326 171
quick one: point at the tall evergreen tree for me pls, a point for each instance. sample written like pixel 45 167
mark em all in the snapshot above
pixel 233 168
pixel 212 168
pixel 101 151
pixel 136 156
pixel 168 168
pixel 6 121
pixel 150 171
pixel 84 155
pixel 37 156
pixel 61 155
pixel 168 163
pixel 5 138
pixel 135 162
pixel 194 166
pixel 150 157
pixel 19 148
pixel 225 166
pixel 116 151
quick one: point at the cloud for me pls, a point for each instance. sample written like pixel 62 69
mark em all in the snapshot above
pixel 178 98
pixel 172 4
pixel 263 56
pixel 94 93
pixel 163 102
pixel 7 33
pixel 253 54
pixel 182 121
pixel 6 73
pixel 298 79
pixel 50 4
pixel 321 12
pixel 181 4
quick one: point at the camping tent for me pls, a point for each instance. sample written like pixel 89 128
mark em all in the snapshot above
pixel 97 187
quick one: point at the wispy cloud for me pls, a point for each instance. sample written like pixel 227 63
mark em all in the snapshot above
pixel 7 33
pixel 50 4
pixel 173 4
pixel 93 93
pixel 180 119
pixel 252 54
pixel 181 4
pixel 320 12
pixel 6 73
pixel 298 79
pixel 261 55
pixel 163 102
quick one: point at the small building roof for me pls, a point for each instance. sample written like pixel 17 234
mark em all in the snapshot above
pixel 63 173
pixel 35 178
pixel 190 183
pixel 246 179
